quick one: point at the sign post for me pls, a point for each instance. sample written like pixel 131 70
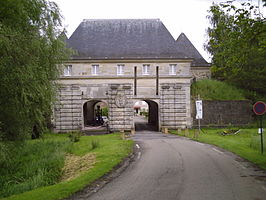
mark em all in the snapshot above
pixel 259 108
pixel 199 111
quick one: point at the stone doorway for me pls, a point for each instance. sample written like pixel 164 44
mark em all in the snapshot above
pixel 146 115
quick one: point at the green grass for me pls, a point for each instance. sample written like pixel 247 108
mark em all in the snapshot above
pixel 32 164
pixel 245 144
pixel 109 150
pixel 215 90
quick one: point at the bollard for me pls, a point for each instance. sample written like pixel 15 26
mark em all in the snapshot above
pixel 164 130
pixel 133 131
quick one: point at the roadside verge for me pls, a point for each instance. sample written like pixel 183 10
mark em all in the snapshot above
pixel 110 152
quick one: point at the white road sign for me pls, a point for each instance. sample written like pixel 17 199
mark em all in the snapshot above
pixel 199 111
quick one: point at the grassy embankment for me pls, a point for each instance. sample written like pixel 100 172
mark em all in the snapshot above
pixel 215 90
pixel 246 143
pixel 33 170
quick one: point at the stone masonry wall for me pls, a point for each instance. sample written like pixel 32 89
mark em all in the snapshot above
pixel 67 109
pixel 224 113
pixel 173 105
pixel 120 107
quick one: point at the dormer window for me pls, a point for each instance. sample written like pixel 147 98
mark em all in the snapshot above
pixel 68 70
pixel 172 69
pixel 120 69
pixel 146 69
pixel 95 69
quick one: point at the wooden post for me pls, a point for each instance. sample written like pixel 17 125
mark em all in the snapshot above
pixel 122 134
pixel 196 133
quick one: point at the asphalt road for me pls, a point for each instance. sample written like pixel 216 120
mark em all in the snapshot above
pixel 168 167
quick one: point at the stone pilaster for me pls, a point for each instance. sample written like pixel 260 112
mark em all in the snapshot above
pixel 120 107
pixel 67 109
pixel 174 105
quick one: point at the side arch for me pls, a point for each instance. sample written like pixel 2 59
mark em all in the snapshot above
pixel 89 111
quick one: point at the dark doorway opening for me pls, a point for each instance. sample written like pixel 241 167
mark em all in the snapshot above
pixel 95 113
pixel 146 115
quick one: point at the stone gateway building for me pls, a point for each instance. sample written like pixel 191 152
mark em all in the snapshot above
pixel 119 62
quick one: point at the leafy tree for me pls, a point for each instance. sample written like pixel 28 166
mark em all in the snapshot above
pixel 237 41
pixel 30 49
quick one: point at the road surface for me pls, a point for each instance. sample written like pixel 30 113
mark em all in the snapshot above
pixel 169 167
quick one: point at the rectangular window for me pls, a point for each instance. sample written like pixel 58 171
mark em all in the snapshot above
pixel 95 69
pixel 68 70
pixel 146 69
pixel 172 69
pixel 135 80
pixel 157 80
pixel 120 69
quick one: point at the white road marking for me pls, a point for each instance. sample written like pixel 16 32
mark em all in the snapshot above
pixel 263 187
pixel 139 154
pixel 137 146
pixel 217 151
pixel 201 144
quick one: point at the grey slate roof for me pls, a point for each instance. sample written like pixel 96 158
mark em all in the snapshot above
pixel 183 44
pixel 127 39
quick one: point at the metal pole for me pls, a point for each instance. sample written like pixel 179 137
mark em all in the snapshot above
pixel 199 119
pixel 261 135
pixel 199 125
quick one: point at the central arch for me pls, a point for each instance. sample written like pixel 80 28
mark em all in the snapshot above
pixel 146 115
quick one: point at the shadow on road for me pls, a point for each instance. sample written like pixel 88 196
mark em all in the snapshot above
pixel 142 124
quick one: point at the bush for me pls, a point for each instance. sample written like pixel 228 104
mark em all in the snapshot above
pixel 144 113
pixel 105 111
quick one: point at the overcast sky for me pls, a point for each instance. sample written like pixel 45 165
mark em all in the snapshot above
pixel 187 16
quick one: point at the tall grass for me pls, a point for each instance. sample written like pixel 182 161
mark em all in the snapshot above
pixel 255 142
pixel 35 167
pixel 215 90
pixel 32 164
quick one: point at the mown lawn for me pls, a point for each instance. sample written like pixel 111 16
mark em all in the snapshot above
pixel 35 168
pixel 246 143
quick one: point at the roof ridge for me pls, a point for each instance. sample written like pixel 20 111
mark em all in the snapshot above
pixel 183 42
pixel 89 20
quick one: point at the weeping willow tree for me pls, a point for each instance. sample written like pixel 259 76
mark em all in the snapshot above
pixel 30 51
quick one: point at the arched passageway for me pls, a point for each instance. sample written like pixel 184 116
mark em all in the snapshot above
pixel 146 116
pixel 95 113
